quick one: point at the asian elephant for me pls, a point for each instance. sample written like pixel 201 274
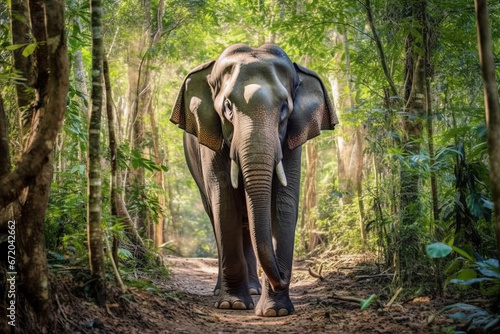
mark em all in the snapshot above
pixel 245 117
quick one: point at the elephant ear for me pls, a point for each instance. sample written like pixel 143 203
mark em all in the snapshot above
pixel 312 109
pixel 194 108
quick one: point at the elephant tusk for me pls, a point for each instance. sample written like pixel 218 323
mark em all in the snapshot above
pixel 281 173
pixel 235 170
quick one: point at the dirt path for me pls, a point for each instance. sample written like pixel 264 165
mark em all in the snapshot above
pixel 315 309
pixel 184 304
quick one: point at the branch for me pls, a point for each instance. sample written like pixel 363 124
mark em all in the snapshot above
pixel 389 304
pixel 347 298
pixel 380 49
pixel 317 274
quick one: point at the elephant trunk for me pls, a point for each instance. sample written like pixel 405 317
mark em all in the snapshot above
pixel 258 173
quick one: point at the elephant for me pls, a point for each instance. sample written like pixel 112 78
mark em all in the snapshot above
pixel 245 117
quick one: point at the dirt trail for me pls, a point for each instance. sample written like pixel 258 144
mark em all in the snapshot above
pixel 315 309
pixel 184 304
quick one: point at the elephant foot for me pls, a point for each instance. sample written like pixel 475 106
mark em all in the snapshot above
pixel 235 302
pixel 254 288
pixel 274 304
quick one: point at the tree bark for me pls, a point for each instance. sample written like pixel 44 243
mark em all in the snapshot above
pixel 41 52
pixel 492 107
pixel 412 127
pixel 94 230
pixel 50 112
pixel 430 123
pixel 35 167
pixel 308 213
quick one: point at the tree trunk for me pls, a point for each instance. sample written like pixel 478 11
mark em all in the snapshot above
pixel 412 126
pixel 309 206
pixel 160 180
pixel 492 107
pixel 430 130
pixel 41 51
pixel 94 230
pixel 359 182
pixel 29 182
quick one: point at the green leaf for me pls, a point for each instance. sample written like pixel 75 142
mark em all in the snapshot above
pixel 465 307
pixel 124 253
pixel 492 323
pixel 458 316
pixel 463 253
pixel 56 256
pixel 488 268
pixel 365 303
pixel 28 50
pixel 466 274
pixel 469 281
pixel 15 46
pixel 438 250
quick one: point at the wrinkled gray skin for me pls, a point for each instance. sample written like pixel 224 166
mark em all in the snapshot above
pixel 245 118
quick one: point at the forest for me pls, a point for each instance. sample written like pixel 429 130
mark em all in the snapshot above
pixel 98 207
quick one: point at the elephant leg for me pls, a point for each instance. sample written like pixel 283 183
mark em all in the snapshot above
pixel 234 292
pixel 285 208
pixel 192 153
pixel 254 287
pixel 226 207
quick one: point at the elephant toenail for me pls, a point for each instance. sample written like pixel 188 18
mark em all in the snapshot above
pixel 239 305
pixel 270 313
pixel 282 312
pixel 253 291
pixel 225 305
pixel 250 307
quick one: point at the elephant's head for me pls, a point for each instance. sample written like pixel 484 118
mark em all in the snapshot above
pixel 257 103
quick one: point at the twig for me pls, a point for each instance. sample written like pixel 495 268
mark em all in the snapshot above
pixel 348 298
pixel 60 308
pixel 315 274
pixel 122 286
pixel 389 304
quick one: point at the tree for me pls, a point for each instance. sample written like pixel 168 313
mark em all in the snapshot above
pixel 492 107
pixel 94 229
pixel 24 191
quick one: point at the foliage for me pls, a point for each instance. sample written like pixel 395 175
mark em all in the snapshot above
pixel 484 274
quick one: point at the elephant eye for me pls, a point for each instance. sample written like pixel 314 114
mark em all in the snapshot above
pixel 228 109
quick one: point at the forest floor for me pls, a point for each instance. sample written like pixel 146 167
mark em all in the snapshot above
pixel 184 304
